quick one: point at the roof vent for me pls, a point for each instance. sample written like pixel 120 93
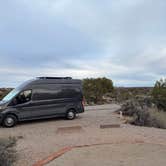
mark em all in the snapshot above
pixel 42 78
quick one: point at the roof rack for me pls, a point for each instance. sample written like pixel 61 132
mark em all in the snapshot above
pixel 54 78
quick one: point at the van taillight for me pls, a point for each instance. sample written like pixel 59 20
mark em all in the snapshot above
pixel 83 102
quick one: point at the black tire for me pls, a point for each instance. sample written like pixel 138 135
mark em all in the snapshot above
pixel 71 114
pixel 9 121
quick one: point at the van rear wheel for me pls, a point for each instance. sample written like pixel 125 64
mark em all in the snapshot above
pixel 71 114
pixel 9 121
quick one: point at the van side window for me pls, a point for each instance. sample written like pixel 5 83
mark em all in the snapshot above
pixel 70 92
pixel 23 97
pixel 54 91
pixel 45 92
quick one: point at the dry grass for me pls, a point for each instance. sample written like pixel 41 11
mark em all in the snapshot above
pixel 139 113
pixel 7 151
pixel 158 118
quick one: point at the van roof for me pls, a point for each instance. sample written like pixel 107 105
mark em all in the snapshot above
pixel 50 80
pixel 55 80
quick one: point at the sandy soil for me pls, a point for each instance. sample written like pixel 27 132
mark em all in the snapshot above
pixel 114 155
pixel 42 138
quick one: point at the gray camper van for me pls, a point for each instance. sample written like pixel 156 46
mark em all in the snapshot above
pixel 43 97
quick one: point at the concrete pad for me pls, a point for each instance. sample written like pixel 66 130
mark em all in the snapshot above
pixel 70 129
pixel 103 126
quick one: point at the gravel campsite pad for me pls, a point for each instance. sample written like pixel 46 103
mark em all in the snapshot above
pixel 38 140
pixel 114 155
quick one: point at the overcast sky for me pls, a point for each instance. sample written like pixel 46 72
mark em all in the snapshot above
pixel 124 40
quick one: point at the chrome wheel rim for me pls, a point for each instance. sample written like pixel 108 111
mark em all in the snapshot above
pixel 9 121
pixel 70 115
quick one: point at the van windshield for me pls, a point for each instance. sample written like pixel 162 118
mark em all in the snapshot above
pixel 15 91
pixel 10 95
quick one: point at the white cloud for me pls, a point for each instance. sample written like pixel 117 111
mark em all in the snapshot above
pixel 128 39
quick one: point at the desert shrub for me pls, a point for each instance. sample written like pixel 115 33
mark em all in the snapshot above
pixel 7 151
pixel 128 108
pixel 144 114
pixel 141 118
pixel 94 89
pixel 131 107
pixel 157 119
pixel 122 94
pixel 138 110
pixel 159 94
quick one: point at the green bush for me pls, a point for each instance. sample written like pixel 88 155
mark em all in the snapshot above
pixel 123 94
pixel 94 89
pixel 7 151
pixel 159 94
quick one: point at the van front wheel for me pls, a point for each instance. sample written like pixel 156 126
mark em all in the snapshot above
pixel 9 121
pixel 71 114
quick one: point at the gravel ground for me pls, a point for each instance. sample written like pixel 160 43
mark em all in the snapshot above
pixel 114 155
pixel 39 139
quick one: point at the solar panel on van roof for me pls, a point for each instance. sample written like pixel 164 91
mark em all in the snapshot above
pixel 55 78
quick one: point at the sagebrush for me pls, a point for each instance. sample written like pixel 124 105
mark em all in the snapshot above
pixel 144 113
pixel 7 151
pixel 159 94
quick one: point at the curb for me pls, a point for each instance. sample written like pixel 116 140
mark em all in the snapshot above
pixel 52 156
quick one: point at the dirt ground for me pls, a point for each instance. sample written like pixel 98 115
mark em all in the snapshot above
pixel 114 155
pixel 39 139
